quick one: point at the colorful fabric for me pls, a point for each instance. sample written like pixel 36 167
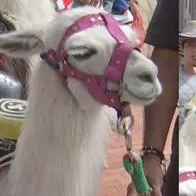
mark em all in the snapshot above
pixel 138 24
pixel 120 7
pixel 61 5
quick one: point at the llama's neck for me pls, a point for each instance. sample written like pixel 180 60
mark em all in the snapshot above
pixel 61 151
pixel 187 144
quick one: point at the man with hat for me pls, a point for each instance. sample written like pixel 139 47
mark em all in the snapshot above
pixel 188 47
pixel 187 69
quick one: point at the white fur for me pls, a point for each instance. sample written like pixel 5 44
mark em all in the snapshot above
pixel 66 148
pixel 187 188
pixel 187 146
pixel 61 151
pixel 190 107
pixel 187 142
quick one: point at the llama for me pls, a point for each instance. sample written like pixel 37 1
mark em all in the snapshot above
pixel 20 15
pixel 190 107
pixel 61 150
pixel 187 161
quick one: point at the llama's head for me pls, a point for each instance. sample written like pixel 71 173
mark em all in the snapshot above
pixel 89 50
pixel 187 145
pixel 190 107
pixel 187 161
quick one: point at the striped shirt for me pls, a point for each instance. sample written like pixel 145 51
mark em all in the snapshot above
pixel 187 88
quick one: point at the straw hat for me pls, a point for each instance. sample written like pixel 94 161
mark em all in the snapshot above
pixel 188 33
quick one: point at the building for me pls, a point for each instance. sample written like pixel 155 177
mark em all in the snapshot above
pixel 187 12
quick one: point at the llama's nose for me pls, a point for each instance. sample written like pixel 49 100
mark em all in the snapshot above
pixel 145 77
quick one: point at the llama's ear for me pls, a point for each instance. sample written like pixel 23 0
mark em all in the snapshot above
pixel 194 98
pixel 21 44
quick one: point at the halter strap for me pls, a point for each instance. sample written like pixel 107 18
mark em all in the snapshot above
pixel 187 176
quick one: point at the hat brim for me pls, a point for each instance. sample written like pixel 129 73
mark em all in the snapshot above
pixel 188 35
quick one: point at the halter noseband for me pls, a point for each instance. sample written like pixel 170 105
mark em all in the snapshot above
pixel 187 176
pixel 96 84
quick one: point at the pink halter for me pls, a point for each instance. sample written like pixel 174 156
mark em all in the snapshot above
pixel 96 84
pixel 187 176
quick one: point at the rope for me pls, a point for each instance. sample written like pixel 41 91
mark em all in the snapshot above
pixel 132 161
pixel 134 166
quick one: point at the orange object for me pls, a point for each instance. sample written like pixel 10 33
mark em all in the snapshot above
pixel 138 23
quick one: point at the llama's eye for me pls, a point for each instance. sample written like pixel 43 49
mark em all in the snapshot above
pixel 82 53
pixel 186 111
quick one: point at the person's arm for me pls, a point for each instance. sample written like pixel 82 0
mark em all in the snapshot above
pixel 158 116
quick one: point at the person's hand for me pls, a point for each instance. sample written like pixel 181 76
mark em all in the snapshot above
pixel 154 173
pixel 131 190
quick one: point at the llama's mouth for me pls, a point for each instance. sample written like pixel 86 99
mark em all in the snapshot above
pixel 147 98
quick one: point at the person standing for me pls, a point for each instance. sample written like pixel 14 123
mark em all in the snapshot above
pixel 162 33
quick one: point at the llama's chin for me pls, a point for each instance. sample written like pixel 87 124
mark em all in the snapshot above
pixel 187 187
pixel 137 99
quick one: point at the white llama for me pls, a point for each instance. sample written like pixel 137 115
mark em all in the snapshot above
pixel 190 107
pixel 20 15
pixel 187 153
pixel 61 150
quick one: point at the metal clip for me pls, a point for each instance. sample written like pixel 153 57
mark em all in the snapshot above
pixel 128 136
pixel 128 140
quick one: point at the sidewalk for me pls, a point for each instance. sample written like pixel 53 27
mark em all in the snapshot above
pixel 115 179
